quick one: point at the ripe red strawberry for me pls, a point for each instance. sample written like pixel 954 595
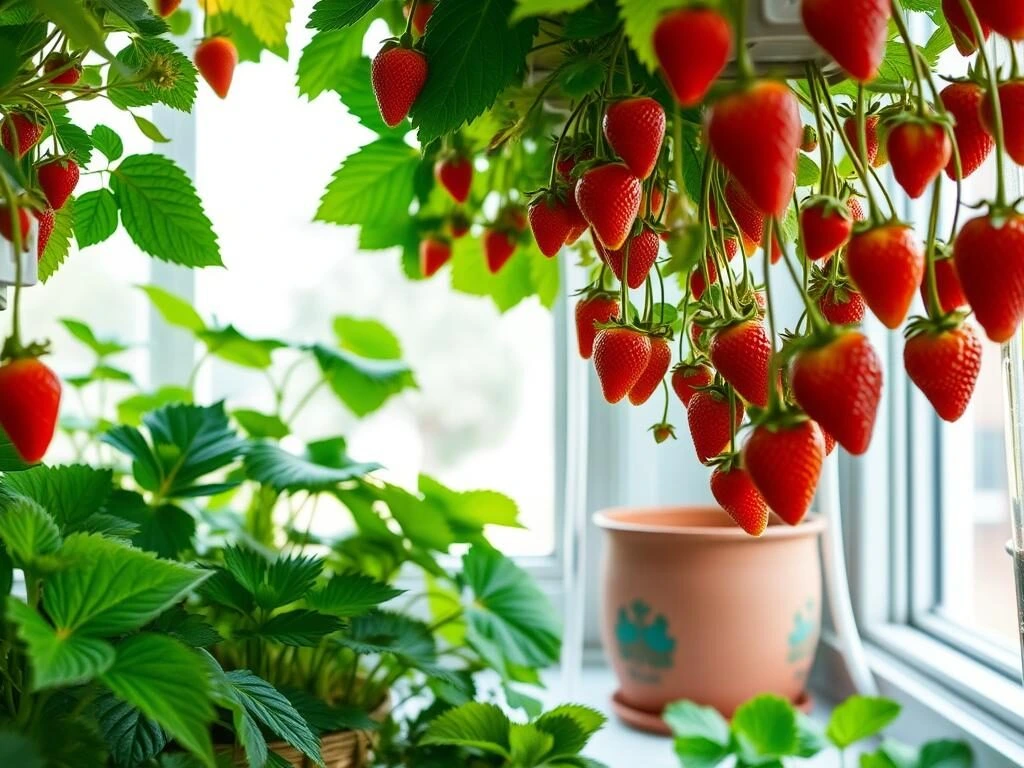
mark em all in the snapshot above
pixel 6 230
pixel 458 224
pixel 455 174
pixel 699 335
pixel 1011 103
pixel 598 308
pixel 29 402
pixel 852 33
pixel 58 178
pixel 1006 17
pixel 838 382
pixel 687 379
pixel 643 252
pixel 216 58
pixel 568 161
pixel 918 151
pixel 960 26
pixel 708 417
pixel 166 7
pixel 989 255
pixel 693 46
pixel 697 282
pixel 871 133
pixel 621 356
pixel 398 75
pixel 424 10
pixel 784 461
pixel 578 224
pixel 25 129
pixel 46 218
pixel 830 442
pixel 70 72
pixel 499 245
pixel 826 225
pixel 551 222
pixel 944 364
pixel 841 306
pixel 609 198
pixel 886 264
pixel 654 373
pixel 856 208
pixel 947 282
pixel 434 254
pixel 657 207
pixel 748 218
pixel 734 490
pixel 742 354
pixel 764 160
pixel 963 101
pixel 635 129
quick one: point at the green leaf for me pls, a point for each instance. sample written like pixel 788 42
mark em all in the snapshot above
pixel 176 86
pixel 268 19
pixel 17 749
pixel 29 534
pixel 190 628
pixel 570 727
pixel 273 584
pixel 374 187
pixel 75 21
pixel 230 344
pixel 639 18
pixel 259 425
pixel 107 142
pixel 362 385
pixel 946 754
pixel 807 172
pixel 110 588
pixel 354 85
pixel 59 244
pixel 83 333
pixel 162 213
pixel 10 459
pixel 58 659
pixel 422 521
pixel 474 54
pixel 701 734
pixel 528 745
pixel 109 373
pixel 810 736
pixel 898 755
pixel 469 511
pixel 70 494
pixel 582 76
pixel 149 129
pixel 525 8
pixel 271 465
pixel 273 711
pixel 95 217
pixel 168 683
pixel 351 594
pixel 509 609
pixel 393 633
pixel 249 45
pixel 766 728
pixel 165 530
pixel 338 14
pixel 75 141
pixel 860 717
pixel 367 338
pixel 174 310
pixel 470 275
pixel 137 16
pixel 300 628
pixel 327 59
pixel 475 726
pixel 131 410
pixel 324 718
pixel 131 737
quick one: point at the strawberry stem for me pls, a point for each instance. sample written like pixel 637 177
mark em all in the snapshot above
pixel 814 317
pixel 624 287
pixel 934 303
pixel 407 35
pixel 773 391
pixel 743 61
pixel 684 332
pixel 862 139
pixel 13 345
pixel 677 159
pixel 915 62
pixel 732 418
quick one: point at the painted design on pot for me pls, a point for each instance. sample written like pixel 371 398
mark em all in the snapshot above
pixel 802 640
pixel 644 640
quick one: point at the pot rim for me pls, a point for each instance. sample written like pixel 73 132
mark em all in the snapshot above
pixel 814 525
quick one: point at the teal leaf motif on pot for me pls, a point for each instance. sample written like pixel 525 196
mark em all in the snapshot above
pixel 802 640
pixel 644 641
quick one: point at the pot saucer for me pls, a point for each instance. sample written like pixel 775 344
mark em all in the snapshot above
pixel 651 722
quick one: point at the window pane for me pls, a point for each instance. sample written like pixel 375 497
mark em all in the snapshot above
pixel 483 416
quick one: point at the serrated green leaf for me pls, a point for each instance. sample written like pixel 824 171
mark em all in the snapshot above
pixel 597 20
pixel 525 8
pixel 10 459
pixel 640 17
pixel 765 728
pixel 474 54
pixel 326 60
pixel 70 494
pixel 362 385
pixel 860 717
pixel 300 628
pixel 422 521
pixel 469 274
pixel 247 42
pixel 75 21
pixel 582 76
pixel 110 588
pixel 272 583
pixel 268 19
pixel 529 745
pixel 509 609
pixel 354 85
pixel 271 465
pixel 701 734
pixel 807 171
pixel 162 213
pixel 95 217
pixel 367 338
pixel 260 425
pixel 393 633
pixel 59 244
pixel 75 142
pixel 83 333
pixel 176 87
pixel 27 532
pixel 165 530
pixel 131 410
pixel 351 594
pixel 232 345
pixel 373 187
pixel 58 659
pixel 107 142
pixel 149 130
pixel 570 726
pixel 338 14
pixel 474 725
pixel 131 737
pixel 137 16
pixel 471 510
pixel 168 683
pixel 173 309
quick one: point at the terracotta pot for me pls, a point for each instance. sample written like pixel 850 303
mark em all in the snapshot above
pixel 694 608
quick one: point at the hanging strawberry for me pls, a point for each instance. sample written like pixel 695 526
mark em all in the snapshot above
pixel 634 129
pixel 58 178
pixel 886 264
pixel 825 225
pixel 654 373
pixel 784 458
pixel 621 356
pixel 693 46
pixel 216 58
pixel 29 403
pixel 590 311
pixel 975 143
pixel 454 172
pixel 919 149
pixel 434 253
pixel 397 75
pixel 989 257
pixel 609 198
pixel 852 33
pixel 943 358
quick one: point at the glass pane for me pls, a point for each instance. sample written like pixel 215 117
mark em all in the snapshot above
pixel 483 416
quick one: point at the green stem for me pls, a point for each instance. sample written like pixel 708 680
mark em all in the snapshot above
pixel 773 391
pixel 901 26
pixel 14 212
pixel 305 399
pixel 934 303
